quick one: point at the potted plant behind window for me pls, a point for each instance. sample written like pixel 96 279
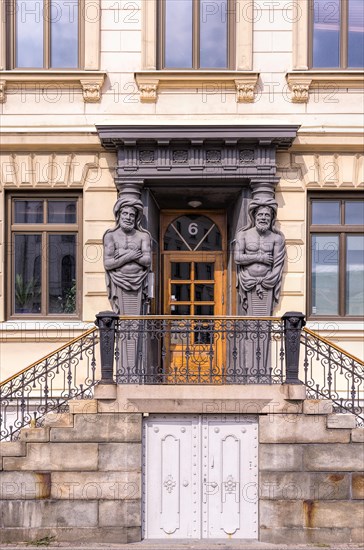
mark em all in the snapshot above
pixel 25 292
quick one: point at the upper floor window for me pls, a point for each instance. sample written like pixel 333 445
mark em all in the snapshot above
pixel 195 34
pixel 336 256
pixel 337 30
pixel 44 34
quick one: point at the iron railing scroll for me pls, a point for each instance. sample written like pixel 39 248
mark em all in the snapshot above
pixel 330 372
pixel 48 384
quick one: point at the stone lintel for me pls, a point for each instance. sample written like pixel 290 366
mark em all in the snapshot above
pixel 229 399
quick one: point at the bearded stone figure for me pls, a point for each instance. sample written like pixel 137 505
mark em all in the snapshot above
pixel 127 261
pixel 259 255
pixel 127 257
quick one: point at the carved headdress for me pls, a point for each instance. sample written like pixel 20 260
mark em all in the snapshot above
pixel 137 204
pixel 254 205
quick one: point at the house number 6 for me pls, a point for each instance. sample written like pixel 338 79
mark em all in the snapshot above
pixel 193 229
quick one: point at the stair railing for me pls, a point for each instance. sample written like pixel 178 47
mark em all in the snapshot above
pixel 329 372
pixel 47 385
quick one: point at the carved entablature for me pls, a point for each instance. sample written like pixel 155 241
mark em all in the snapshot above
pixel 163 153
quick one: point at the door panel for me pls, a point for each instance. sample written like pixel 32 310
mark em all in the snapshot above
pixel 200 477
pixel 171 479
pixel 194 286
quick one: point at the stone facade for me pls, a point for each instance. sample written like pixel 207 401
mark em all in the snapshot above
pixel 79 477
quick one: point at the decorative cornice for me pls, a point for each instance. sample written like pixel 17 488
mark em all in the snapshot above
pixel 243 83
pixel 301 83
pixel 280 136
pixel 90 82
pixel 165 153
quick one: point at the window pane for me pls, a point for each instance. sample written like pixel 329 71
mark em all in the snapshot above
pixel 62 273
pixel 178 34
pixel 180 310
pixel 28 211
pixel 181 293
pixel 356 34
pixel 354 212
pixel 213 34
pixel 325 212
pixel 326 33
pixel 29 34
pixel 180 270
pixel 27 274
pixel 355 275
pixel 204 293
pixel 204 310
pixel 204 271
pixel 64 33
pixel 62 212
pixel 325 275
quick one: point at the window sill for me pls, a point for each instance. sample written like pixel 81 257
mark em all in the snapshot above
pixel 90 82
pixel 243 83
pixel 301 82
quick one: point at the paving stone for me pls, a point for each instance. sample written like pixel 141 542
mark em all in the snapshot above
pixel 357 487
pixel 291 428
pixel 327 513
pixel 304 486
pixel 280 457
pixel 120 513
pixel 58 420
pixel 357 435
pixel 317 406
pixel 280 513
pixel 82 406
pixel 34 434
pixel 12 448
pixel 306 536
pixel 48 513
pixel 120 456
pixel 334 457
pixel 341 421
pixel 96 485
pixel 101 427
pixel 55 456
pixel 24 485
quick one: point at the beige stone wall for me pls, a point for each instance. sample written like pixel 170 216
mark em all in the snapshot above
pixel 79 477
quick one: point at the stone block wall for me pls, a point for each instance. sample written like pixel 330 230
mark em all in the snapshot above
pixel 311 477
pixel 76 479
pixel 79 477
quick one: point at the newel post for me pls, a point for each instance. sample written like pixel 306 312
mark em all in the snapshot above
pixel 106 321
pixel 293 321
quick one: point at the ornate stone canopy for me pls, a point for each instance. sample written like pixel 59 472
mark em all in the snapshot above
pixel 201 155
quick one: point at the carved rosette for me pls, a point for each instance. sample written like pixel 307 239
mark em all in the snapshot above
pixel 91 91
pixel 180 156
pixel 246 156
pixel 213 156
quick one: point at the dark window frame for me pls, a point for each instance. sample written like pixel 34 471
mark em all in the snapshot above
pixel 341 230
pixel 44 229
pixel 10 14
pixel 343 37
pixel 231 38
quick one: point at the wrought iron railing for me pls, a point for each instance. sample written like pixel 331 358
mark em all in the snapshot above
pixel 48 384
pixel 329 372
pixel 199 350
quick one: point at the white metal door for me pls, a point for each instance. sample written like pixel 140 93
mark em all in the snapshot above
pixel 200 476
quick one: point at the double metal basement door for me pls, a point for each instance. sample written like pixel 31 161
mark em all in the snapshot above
pixel 200 476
